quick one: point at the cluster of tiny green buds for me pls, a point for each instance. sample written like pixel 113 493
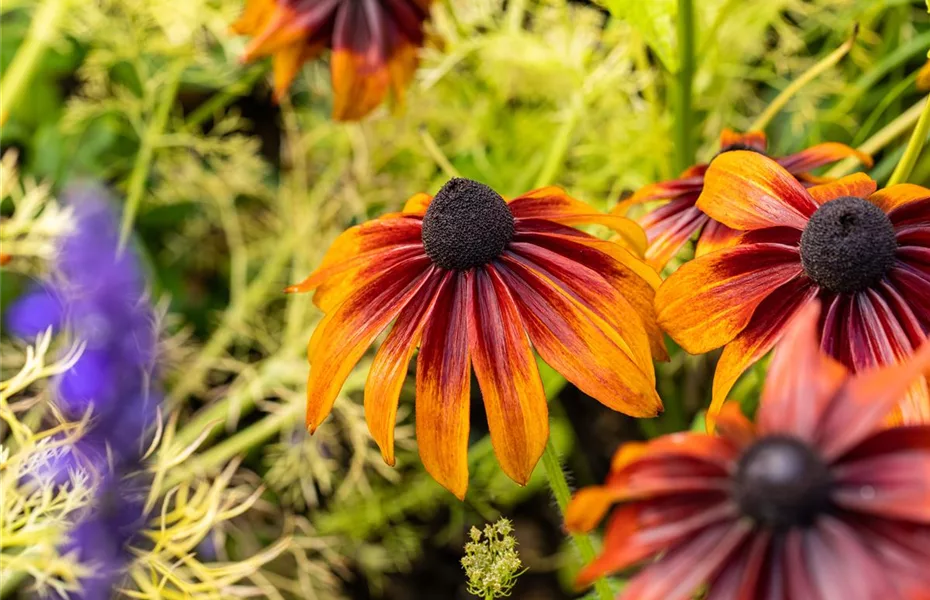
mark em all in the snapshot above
pixel 491 561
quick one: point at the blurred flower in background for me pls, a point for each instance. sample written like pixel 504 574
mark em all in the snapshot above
pixel 817 500
pixel 472 279
pixel 862 253
pixel 374 45
pixel 671 225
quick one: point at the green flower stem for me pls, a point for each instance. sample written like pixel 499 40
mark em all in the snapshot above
pixel 516 9
pixel 809 75
pixel 560 143
pixel 43 30
pixel 219 101
pixel 563 495
pixel 684 118
pixel 882 137
pixel 914 146
pixel 143 163
pixel 11 583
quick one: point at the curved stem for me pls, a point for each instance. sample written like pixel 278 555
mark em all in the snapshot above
pixel 914 146
pixel 563 495
pixel 684 112
pixel 16 79
pixel 806 77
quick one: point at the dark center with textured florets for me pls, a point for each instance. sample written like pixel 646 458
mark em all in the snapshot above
pixel 466 225
pixel 781 482
pixel 738 146
pixel 848 245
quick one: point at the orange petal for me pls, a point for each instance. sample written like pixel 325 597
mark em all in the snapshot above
pixel 633 278
pixel 401 67
pixel 360 84
pixel 443 382
pixel 821 154
pixel 802 378
pixel 588 507
pixel 760 335
pixel 663 190
pixel 894 196
pixel 345 278
pixel 733 426
pixel 708 301
pixel 715 236
pixel 756 139
pixel 274 28
pixel 553 204
pixel 255 17
pixel 417 204
pixel 287 62
pixel 858 185
pixel 579 344
pixel 745 190
pixel 596 293
pixel 389 367
pixel 518 416
pixel 352 328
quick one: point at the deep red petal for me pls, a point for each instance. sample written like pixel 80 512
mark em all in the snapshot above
pixel 741 577
pixel 841 567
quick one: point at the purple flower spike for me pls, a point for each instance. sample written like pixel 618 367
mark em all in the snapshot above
pixel 36 311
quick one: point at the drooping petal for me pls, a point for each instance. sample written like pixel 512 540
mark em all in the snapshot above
pixel 669 228
pixel 351 328
pixel 518 416
pixel 896 196
pixel 640 530
pixel 756 139
pixel 745 190
pixel 591 289
pixel 857 185
pixel 359 69
pixel 715 236
pixel 402 66
pixel 682 570
pixel 860 407
pixel 443 388
pixel 708 301
pixel 802 379
pixel 287 62
pixel 579 344
pixel 821 154
pixel 389 367
pixel 553 204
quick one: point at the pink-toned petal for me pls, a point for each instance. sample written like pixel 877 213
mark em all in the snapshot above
pixel 389 367
pixel 841 567
pixel 798 579
pixel 895 485
pixel 710 300
pixel 745 190
pixel 857 185
pixel 740 579
pixel 683 569
pixel 443 389
pixel 819 155
pixel 518 416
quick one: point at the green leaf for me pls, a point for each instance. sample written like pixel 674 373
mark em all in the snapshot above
pixel 655 22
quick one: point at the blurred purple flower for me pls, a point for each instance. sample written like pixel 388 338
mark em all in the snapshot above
pixel 99 296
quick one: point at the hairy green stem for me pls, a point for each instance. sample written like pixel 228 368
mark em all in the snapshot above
pixel 143 162
pixel 914 146
pixel 811 74
pixel 19 73
pixel 563 495
pixel 684 118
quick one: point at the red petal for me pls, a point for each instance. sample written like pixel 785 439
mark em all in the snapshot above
pixel 665 190
pixel 820 155
pixel 708 301
pixel 742 577
pixel 669 228
pixel 443 378
pixel 841 567
pixel 716 236
pixel 518 415
pixel 894 485
pixel 745 190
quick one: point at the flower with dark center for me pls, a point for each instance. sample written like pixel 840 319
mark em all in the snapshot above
pixel 373 44
pixel 670 225
pixel 819 500
pixel 864 254
pixel 473 281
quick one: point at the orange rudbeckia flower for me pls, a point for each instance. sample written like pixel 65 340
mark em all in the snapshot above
pixel 474 281
pixel 671 225
pixel 818 500
pixel 374 45
pixel 864 254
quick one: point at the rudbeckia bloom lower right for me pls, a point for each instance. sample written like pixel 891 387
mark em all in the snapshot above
pixel 818 500
pixel 864 254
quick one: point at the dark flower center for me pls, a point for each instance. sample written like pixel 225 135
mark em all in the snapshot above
pixel 781 482
pixel 466 225
pixel 848 245
pixel 738 146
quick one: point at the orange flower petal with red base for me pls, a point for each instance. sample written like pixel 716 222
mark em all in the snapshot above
pixel 479 284
pixel 670 225
pixel 818 500
pixel 864 254
pixel 373 45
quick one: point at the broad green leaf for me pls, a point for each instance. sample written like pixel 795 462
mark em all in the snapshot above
pixel 655 22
